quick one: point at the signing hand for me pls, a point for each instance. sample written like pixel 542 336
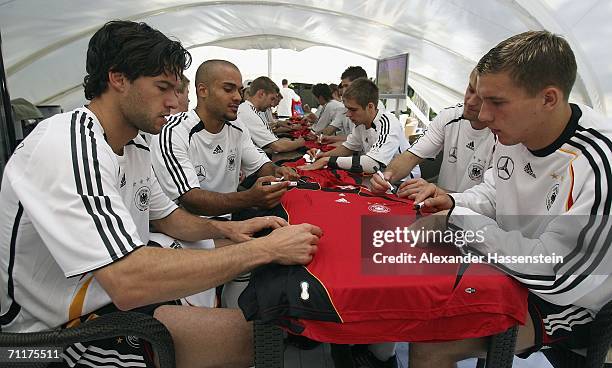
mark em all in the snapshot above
pixel 310 137
pixel 327 139
pixel 428 191
pixel 240 231
pixel 267 196
pixel 315 153
pixel 287 172
pixel 378 185
pixel 319 164
pixel 411 187
pixel 294 244
pixel 436 204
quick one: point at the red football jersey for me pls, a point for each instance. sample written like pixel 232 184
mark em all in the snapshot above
pixel 463 302
pixel 327 178
pixel 301 133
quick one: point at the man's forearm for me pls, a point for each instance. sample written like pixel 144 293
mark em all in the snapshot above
pixel 267 169
pixel 141 278
pixel 402 165
pixel 208 203
pixel 282 129
pixel 184 226
pixel 339 151
pixel 337 138
pixel 286 145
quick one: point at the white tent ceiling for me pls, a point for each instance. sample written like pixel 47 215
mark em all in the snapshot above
pixel 44 41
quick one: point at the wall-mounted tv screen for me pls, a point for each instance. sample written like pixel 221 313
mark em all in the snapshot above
pixel 392 76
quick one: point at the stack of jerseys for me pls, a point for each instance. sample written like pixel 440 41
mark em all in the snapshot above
pixel 331 300
pixel 301 133
pixel 299 120
pixel 327 178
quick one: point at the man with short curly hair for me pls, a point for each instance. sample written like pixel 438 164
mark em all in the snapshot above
pixel 77 197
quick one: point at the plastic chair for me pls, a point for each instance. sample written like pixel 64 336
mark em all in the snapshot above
pixel 269 347
pixel 500 353
pixel 106 326
pixel 596 353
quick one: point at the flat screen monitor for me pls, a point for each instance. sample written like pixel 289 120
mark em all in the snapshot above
pixel 392 76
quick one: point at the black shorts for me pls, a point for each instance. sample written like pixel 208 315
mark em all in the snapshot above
pixel 567 326
pixel 120 351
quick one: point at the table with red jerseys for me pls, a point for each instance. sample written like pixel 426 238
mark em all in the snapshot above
pixel 332 299
pixel 303 132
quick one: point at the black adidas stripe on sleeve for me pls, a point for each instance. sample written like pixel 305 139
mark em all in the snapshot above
pixel 170 161
pixel 89 186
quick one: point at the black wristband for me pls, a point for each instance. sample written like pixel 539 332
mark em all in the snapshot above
pixel 332 164
pixel 356 164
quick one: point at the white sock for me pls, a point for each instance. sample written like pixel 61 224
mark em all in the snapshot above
pixel 383 350
pixel 232 290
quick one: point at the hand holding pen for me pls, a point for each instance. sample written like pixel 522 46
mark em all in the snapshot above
pixel 386 182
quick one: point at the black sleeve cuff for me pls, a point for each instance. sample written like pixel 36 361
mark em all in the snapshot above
pixel 333 162
pixel 356 164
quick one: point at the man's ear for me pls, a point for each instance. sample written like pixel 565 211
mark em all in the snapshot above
pixel 551 97
pixel 202 90
pixel 117 81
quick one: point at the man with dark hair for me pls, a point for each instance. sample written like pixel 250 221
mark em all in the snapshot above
pixel 376 139
pixel 322 90
pixel 262 94
pixel 328 110
pixel 549 163
pixel 351 73
pixel 182 92
pixel 268 115
pixel 79 195
pixel 278 126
